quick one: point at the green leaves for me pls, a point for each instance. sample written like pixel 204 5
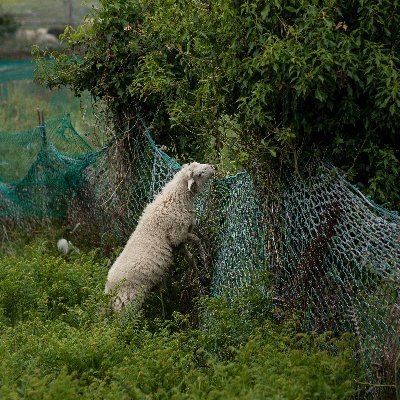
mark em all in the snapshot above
pixel 320 95
pixel 34 286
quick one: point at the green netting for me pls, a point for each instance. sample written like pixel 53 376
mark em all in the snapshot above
pixel 16 74
pixel 332 254
pixel 118 188
pixel 238 234
pixel 41 170
pixel 16 71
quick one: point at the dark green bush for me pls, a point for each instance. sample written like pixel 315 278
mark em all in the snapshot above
pixel 251 80
pixel 8 24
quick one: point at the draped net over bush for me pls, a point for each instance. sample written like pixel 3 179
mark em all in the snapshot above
pixel 329 253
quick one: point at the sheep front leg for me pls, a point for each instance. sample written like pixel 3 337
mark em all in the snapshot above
pixel 195 239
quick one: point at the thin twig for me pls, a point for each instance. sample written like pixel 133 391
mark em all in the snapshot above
pixel 395 376
pixel 374 384
pixel 117 187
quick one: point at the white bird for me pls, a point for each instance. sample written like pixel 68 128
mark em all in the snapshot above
pixel 63 246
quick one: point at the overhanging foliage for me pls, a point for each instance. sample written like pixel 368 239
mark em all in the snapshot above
pixel 299 79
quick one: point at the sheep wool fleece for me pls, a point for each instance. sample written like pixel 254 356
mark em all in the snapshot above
pixel 165 223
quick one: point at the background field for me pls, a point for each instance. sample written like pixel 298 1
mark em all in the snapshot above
pixel 20 98
pixel 47 13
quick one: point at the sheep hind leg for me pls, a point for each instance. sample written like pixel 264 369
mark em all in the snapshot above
pixel 131 297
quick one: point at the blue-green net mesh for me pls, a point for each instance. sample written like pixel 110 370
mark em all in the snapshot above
pixel 340 260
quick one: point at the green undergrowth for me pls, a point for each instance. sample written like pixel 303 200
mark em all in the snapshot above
pixel 58 342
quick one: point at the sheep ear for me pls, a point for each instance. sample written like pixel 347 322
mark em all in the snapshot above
pixel 190 180
pixel 190 183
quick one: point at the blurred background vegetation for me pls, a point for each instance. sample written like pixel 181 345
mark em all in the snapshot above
pixel 24 23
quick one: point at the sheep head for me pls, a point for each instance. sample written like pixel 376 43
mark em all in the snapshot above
pixel 197 175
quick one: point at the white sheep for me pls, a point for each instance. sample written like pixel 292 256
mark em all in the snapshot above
pixel 165 223
pixel 37 36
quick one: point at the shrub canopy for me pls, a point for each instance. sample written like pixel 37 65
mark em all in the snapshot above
pixel 296 78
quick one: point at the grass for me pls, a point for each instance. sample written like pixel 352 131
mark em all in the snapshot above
pixel 57 343
pixel 18 111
